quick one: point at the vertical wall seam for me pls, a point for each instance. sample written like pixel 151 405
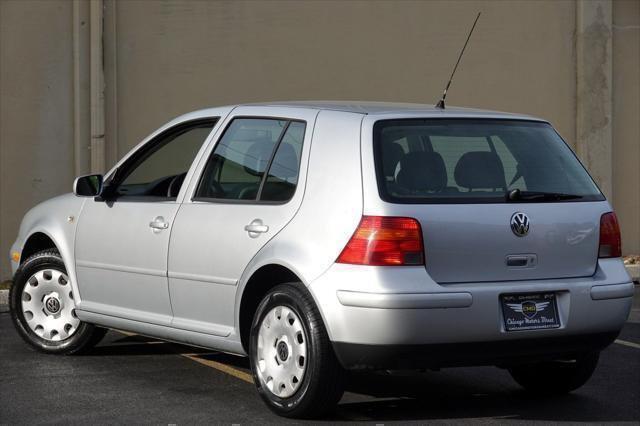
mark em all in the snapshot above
pixel 1 144
pixel 114 80
pixel 110 66
pixel 97 87
pixel 75 19
pixel 576 55
pixel 594 93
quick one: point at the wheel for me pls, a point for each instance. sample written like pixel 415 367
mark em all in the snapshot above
pixel 43 310
pixel 293 364
pixel 556 377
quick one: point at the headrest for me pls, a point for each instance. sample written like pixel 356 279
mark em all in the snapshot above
pixel 479 169
pixel 392 153
pixel 285 163
pixel 422 171
pixel 257 157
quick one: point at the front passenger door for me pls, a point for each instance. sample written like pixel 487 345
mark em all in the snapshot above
pixel 122 242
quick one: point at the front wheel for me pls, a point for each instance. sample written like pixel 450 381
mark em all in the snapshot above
pixel 556 377
pixel 292 360
pixel 43 309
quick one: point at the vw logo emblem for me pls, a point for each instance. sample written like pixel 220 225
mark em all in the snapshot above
pixel 53 305
pixel 520 224
pixel 283 351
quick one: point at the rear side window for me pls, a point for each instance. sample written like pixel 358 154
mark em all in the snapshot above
pixel 257 159
pixel 474 161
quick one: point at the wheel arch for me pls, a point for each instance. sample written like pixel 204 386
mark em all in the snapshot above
pixel 36 242
pixel 260 282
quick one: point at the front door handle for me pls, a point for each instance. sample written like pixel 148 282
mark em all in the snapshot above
pixel 255 228
pixel 158 224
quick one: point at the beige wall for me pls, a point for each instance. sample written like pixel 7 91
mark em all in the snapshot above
pixel 626 121
pixel 36 149
pixel 189 55
pixel 164 58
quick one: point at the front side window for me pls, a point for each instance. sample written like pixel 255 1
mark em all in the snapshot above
pixel 475 160
pixel 159 168
pixel 256 159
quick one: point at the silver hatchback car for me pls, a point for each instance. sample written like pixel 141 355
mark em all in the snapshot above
pixel 321 237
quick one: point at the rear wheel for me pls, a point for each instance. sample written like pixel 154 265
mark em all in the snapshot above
pixel 556 377
pixel 43 308
pixel 292 360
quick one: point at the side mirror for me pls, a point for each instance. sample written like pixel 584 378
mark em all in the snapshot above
pixel 88 186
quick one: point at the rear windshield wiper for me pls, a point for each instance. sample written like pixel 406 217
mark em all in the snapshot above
pixel 518 195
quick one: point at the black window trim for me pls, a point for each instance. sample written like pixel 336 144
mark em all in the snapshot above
pixel 384 196
pixel 255 201
pixel 141 154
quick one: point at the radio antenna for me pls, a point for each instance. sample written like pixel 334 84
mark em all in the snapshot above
pixel 440 104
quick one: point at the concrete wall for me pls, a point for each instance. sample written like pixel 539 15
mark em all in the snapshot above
pixel 36 93
pixel 164 58
pixel 626 121
pixel 189 55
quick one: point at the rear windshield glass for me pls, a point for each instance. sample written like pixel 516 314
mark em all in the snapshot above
pixel 477 161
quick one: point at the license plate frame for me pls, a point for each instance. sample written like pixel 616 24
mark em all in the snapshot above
pixel 530 311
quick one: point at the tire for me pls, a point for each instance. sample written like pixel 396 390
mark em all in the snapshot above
pixel 321 385
pixel 40 278
pixel 556 377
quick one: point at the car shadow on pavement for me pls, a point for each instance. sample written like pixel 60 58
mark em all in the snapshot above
pixel 451 396
pixel 495 406
pixel 461 393
pixel 140 345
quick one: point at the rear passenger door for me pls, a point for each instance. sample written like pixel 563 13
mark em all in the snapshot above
pixel 248 187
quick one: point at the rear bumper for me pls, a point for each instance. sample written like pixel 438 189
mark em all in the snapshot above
pixel 612 291
pixel 379 317
pixel 501 353
pixel 405 300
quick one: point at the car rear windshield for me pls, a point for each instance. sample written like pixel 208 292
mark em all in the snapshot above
pixel 477 161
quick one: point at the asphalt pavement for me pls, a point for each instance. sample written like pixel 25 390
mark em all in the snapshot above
pixel 135 380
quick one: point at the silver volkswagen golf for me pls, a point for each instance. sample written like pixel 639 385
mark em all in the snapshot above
pixel 321 237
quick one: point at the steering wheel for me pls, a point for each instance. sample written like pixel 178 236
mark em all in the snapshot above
pixel 175 184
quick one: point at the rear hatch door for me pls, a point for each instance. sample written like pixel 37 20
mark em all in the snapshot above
pixel 475 243
pixel 498 199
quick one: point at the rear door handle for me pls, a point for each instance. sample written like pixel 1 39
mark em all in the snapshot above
pixel 158 224
pixel 255 228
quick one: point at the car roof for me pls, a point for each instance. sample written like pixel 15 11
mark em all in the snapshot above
pixel 388 109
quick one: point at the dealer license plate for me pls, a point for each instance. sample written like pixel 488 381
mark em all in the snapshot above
pixel 529 311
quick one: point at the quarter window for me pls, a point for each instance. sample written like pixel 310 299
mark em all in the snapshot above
pixel 283 175
pixel 256 159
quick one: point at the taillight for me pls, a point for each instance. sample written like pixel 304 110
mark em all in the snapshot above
pixel 385 241
pixel 610 242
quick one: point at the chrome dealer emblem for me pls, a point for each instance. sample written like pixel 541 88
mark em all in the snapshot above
pixel 528 308
pixel 520 224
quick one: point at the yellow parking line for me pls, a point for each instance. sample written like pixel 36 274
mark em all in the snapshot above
pixel 625 343
pixel 209 363
pixel 220 367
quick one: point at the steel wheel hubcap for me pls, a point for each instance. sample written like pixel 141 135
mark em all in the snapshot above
pixel 48 307
pixel 281 358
